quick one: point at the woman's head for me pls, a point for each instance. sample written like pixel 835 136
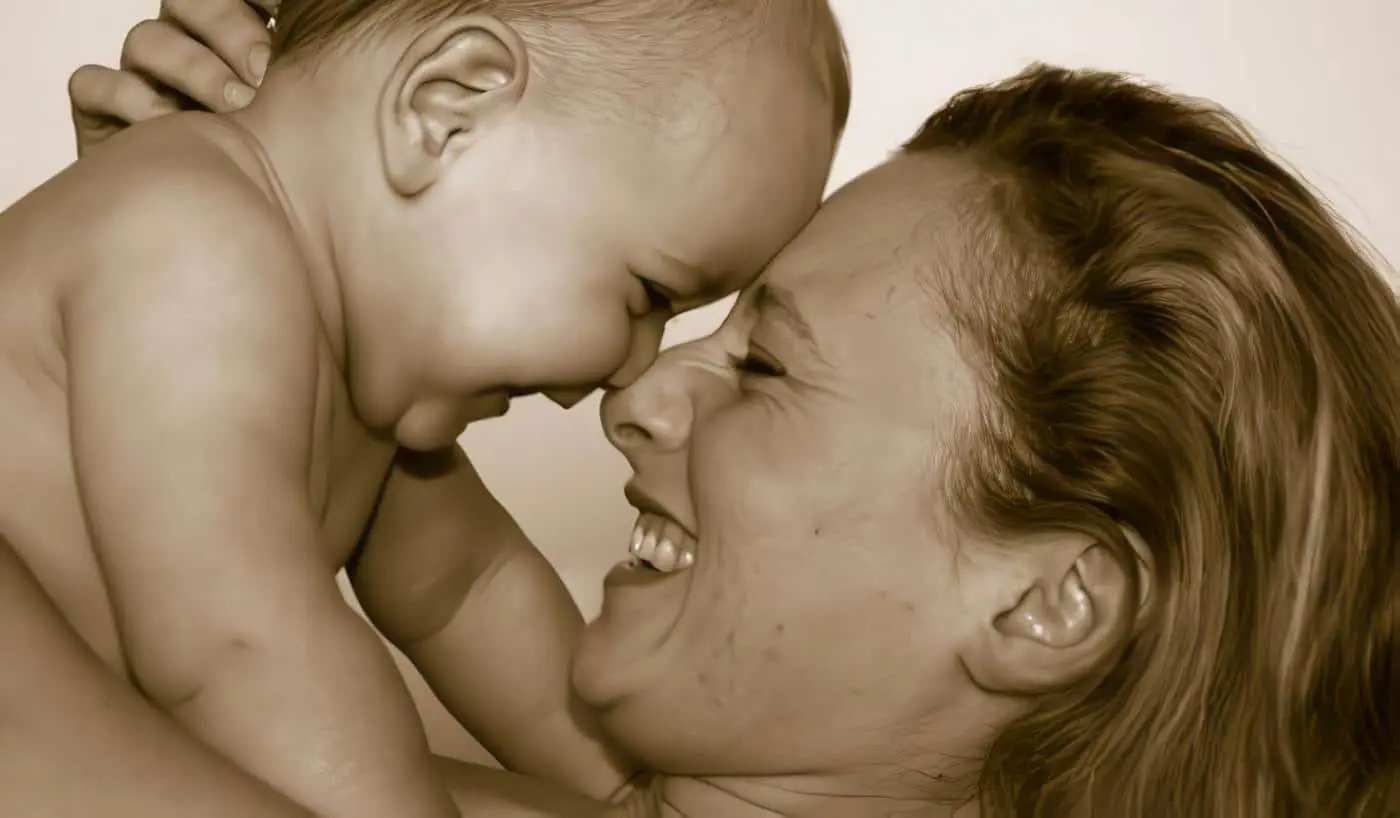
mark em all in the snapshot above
pixel 1072 481
pixel 1176 339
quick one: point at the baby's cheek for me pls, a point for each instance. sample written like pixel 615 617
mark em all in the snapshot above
pixel 589 350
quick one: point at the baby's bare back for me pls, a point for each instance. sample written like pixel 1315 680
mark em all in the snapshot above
pixel 54 242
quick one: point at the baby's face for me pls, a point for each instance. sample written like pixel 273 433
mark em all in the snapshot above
pixel 553 255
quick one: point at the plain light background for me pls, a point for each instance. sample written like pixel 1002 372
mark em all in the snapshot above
pixel 1319 80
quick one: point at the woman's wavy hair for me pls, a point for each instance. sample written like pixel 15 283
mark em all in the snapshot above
pixel 1180 339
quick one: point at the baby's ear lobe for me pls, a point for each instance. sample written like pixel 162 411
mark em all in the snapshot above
pixel 452 79
pixel 1071 605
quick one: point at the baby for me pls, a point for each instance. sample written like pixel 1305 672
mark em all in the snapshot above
pixel 236 353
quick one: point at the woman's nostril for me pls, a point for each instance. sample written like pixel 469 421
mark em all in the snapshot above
pixel 630 434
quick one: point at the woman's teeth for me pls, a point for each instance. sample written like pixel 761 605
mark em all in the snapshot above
pixel 661 544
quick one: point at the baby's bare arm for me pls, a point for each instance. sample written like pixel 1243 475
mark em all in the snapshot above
pixel 451 579
pixel 77 740
pixel 192 363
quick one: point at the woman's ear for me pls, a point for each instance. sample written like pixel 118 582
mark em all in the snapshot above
pixel 1062 609
pixel 450 81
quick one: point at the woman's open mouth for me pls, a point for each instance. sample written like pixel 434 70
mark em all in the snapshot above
pixel 661 545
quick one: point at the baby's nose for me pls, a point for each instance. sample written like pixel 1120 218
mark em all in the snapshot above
pixel 568 398
pixel 645 346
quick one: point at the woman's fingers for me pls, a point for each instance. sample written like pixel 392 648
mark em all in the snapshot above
pixel 208 52
pixel 267 7
pixel 106 100
pixel 233 30
pixel 164 54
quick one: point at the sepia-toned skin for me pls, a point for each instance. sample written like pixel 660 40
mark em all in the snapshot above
pixel 193 452
pixel 773 440
pixel 839 647
pixel 728 666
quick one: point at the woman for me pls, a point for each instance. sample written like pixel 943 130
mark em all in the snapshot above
pixel 1048 472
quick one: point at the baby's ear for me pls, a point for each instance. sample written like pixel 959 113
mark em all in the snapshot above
pixel 452 80
pixel 1055 611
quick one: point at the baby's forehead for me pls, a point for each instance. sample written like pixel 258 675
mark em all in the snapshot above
pixel 717 224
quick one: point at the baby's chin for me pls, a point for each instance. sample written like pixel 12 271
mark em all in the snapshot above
pixel 430 425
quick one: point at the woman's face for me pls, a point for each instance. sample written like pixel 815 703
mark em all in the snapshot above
pixel 795 453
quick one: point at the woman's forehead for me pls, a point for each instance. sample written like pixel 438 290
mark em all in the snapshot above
pixel 886 239
pixel 895 219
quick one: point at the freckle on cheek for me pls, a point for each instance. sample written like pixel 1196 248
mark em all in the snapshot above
pixel 730 650
pixel 706 685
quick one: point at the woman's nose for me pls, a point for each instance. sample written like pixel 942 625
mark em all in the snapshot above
pixel 654 413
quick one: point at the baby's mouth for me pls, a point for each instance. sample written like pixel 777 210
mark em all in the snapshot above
pixel 659 544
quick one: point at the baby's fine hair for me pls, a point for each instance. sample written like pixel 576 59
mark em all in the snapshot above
pixel 626 46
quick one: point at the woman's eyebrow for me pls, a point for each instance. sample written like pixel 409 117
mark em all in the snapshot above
pixel 777 303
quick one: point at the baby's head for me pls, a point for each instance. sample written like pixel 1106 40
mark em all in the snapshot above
pixel 551 180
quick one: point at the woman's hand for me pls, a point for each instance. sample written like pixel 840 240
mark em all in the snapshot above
pixel 198 54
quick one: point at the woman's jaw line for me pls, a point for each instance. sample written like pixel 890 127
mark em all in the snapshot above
pixel 643 608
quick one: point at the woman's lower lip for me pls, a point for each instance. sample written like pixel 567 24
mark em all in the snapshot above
pixel 645 603
pixel 628 574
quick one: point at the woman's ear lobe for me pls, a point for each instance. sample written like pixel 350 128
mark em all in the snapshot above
pixel 452 80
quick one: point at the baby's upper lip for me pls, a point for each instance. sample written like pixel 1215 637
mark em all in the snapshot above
pixel 645 502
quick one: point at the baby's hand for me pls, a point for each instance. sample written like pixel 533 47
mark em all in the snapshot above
pixel 207 54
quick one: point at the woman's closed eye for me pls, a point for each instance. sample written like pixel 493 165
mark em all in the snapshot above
pixel 757 362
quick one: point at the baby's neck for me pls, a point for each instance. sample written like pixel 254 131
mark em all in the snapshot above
pixel 299 178
pixel 807 797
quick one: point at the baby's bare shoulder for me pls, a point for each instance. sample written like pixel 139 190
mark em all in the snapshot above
pixel 182 217
pixel 172 182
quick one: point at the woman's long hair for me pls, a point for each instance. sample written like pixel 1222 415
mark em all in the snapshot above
pixel 1180 339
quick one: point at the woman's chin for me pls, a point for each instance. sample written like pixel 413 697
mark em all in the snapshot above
pixel 624 650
